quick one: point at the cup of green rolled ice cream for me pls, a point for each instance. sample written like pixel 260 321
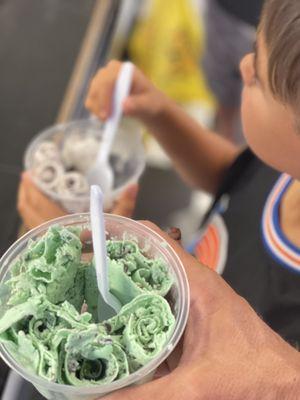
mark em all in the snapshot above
pixel 51 330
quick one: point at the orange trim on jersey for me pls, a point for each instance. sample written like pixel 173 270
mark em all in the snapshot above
pixel 276 244
pixel 208 249
pixel 275 241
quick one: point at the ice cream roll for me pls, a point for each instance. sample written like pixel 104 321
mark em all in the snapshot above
pixel 92 358
pixel 49 172
pixel 72 184
pixel 132 273
pixel 46 151
pixel 79 152
pixel 146 324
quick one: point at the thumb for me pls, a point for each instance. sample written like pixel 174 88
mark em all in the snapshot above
pixel 157 389
pixel 137 106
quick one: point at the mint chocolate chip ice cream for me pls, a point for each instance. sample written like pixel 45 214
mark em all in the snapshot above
pixel 146 324
pixel 50 326
pixel 132 273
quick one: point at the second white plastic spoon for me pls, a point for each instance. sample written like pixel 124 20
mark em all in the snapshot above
pixel 101 173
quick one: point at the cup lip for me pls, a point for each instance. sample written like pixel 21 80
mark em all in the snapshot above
pixel 43 135
pixel 181 319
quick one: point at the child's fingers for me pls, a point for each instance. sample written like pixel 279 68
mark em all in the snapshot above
pixel 34 196
pixel 136 106
pixel 144 105
pixel 99 98
pixel 26 192
pixel 28 213
pixel 34 207
pixel 21 198
pixel 125 204
pixel 100 93
pixel 31 218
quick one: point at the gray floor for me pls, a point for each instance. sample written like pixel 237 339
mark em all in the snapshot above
pixel 39 42
pixel 161 194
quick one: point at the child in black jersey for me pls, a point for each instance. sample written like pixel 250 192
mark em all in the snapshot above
pixel 255 243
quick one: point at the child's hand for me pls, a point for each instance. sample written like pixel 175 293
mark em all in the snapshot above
pixel 125 204
pixel 144 102
pixel 35 208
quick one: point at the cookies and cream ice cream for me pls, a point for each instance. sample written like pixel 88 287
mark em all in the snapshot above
pixel 62 168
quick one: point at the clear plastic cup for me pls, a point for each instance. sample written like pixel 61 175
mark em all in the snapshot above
pixel 116 228
pixel 127 158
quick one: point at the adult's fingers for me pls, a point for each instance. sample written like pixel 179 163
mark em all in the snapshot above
pixel 160 388
pixel 174 233
pixel 162 370
pixel 179 384
pixel 206 287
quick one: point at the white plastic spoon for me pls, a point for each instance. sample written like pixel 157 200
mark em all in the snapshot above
pixel 101 173
pixel 110 304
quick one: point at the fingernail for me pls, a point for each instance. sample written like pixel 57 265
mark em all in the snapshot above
pixel 174 233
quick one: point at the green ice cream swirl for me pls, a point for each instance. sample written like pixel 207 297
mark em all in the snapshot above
pixel 132 273
pixel 34 331
pixel 42 328
pixel 146 324
pixel 46 329
pixel 92 358
pixel 49 266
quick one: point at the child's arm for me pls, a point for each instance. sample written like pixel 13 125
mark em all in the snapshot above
pixel 201 157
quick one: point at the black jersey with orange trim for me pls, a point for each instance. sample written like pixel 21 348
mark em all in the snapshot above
pixel 242 240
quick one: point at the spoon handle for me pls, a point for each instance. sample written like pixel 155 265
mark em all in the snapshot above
pixel 121 91
pixel 98 235
pixel 99 245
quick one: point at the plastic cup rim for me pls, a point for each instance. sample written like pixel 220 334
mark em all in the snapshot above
pixel 54 195
pixel 143 371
